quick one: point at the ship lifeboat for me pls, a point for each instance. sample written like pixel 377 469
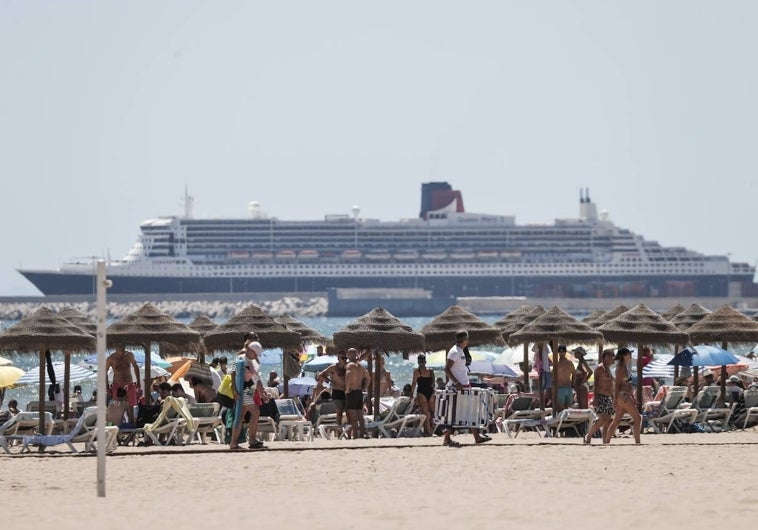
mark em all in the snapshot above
pixel 307 254
pixel 285 254
pixel 261 255
pixel 378 256
pixel 351 254
pixel 406 256
pixel 238 254
pixel 434 256
pixel 488 254
pixel 462 255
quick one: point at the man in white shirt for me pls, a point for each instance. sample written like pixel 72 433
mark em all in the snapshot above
pixel 457 377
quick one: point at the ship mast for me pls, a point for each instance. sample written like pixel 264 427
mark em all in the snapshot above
pixel 188 201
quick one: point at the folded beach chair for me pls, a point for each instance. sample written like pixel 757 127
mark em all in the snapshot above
pixel 671 415
pixel 173 420
pixel 570 419
pixel 80 433
pixel 20 425
pixel 207 420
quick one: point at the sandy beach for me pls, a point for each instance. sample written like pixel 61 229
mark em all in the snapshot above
pixel 670 481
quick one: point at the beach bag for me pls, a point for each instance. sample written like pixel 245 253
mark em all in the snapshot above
pixel 225 395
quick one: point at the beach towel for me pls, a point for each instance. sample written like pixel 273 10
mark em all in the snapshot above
pixel 239 383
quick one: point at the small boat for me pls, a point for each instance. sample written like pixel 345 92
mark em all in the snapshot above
pixel 307 254
pixel 238 254
pixel 285 254
pixel 261 255
pixel 351 254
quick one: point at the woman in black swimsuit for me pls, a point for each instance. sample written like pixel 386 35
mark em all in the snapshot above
pixel 423 379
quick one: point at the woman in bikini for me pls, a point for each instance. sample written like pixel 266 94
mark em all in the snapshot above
pixel 581 376
pixel 624 394
pixel 423 380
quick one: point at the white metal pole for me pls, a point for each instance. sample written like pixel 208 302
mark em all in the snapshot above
pixel 101 284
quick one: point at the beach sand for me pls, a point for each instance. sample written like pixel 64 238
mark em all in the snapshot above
pixel 670 481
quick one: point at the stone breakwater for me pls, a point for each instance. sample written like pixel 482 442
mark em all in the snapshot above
pixel 219 311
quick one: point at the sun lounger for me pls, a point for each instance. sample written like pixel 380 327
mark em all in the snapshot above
pixel 671 415
pixel 173 419
pixel 20 425
pixel 292 423
pixel 751 408
pixel 523 415
pixel 207 420
pixel 709 415
pixel 570 419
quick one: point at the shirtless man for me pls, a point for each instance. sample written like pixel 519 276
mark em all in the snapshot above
pixel 564 372
pixel 603 396
pixel 335 375
pixel 122 362
pixel 356 381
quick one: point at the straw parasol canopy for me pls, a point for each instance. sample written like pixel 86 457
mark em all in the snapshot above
pixel 642 325
pixel 44 330
pixel 47 330
pixel 440 332
pixel 307 333
pixel 519 321
pixel 202 324
pixel 148 324
pixel 513 315
pixel 230 335
pixel 380 330
pixel 725 325
pixel 671 313
pixel 690 316
pixel 610 315
pixel 80 319
pixel 556 325
pixel 597 313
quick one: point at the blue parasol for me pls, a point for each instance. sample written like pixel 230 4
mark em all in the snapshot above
pixel 704 355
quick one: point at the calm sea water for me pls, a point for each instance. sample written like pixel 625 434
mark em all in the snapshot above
pixel 401 370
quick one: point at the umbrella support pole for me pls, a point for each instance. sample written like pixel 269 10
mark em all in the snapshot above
pixel 146 390
pixel 639 378
pixel 526 367
pixel 377 383
pixel 41 396
pixel 66 385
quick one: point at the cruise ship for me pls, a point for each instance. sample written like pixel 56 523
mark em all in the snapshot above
pixel 446 250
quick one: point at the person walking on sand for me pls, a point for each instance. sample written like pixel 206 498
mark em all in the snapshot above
pixel 603 396
pixel 248 361
pixel 356 381
pixel 457 378
pixel 122 362
pixel 624 394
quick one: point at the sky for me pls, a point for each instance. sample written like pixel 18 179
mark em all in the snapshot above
pixel 109 109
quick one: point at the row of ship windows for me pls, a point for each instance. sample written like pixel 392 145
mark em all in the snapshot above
pixel 233 271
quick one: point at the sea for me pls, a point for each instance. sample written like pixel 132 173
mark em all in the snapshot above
pixel 401 369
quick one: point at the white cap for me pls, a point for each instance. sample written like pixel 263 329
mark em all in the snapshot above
pixel 255 346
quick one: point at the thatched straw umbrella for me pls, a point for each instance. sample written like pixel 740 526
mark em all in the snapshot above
pixel 145 326
pixel 641 325
pixel 514 321
pixel 671 313
pixel 610 315
pixel 380 331
pixel 230 335
pixel 87 324
pixel 203 325
pixel 307 335
pixel 684 321
pixel 439 333
pixel 597 313
pixel 555 326
pixel 42 331
pixel 723 326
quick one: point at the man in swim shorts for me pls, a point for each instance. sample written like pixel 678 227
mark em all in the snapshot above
pixel 335 375
pixel 603 395
pixel 356 381
pixel 564 372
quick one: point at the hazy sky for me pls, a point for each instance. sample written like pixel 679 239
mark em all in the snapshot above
pixel 109 108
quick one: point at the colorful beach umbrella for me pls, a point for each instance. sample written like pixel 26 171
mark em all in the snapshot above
pixel 78 373
pixel 9 375
pixel 704 355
